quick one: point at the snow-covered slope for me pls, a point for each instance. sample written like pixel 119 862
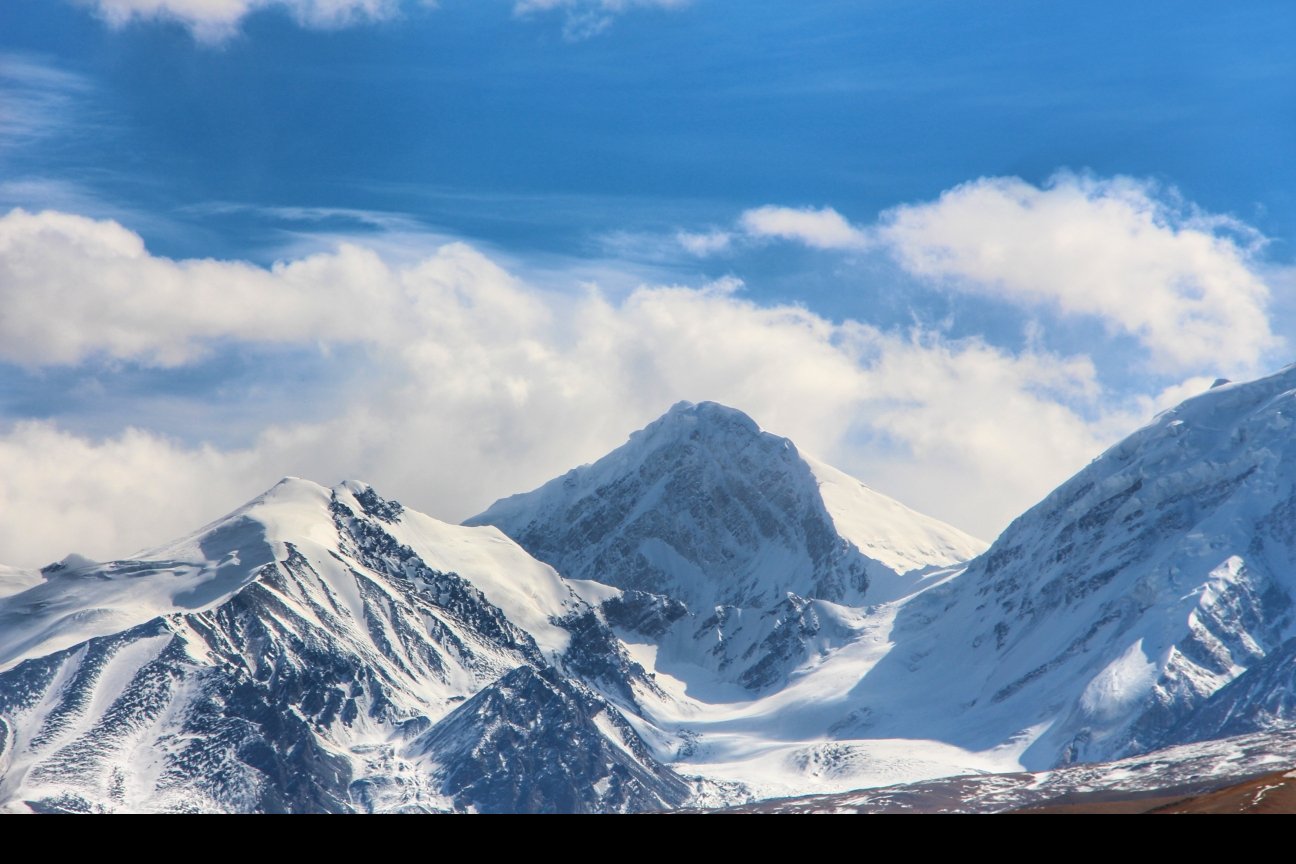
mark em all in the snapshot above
pixel 728 541
pixel 1104 617
pixel 884 529
pixel 1096 626
pixel 530 742
pixel 295 656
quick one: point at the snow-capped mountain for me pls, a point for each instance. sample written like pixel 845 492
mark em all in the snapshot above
pixel 1105 617
pixel 710 617
pixel 312 652
pixel 729 549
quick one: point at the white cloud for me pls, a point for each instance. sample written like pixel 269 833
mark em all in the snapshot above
pixel 479 385
pixel 704 243
pixel 214 20
pixel 61 493
pixel 586 18
pixel 1184 284
pixel 73 288
pixel 819 229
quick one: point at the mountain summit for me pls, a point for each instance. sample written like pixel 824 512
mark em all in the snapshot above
pixel 705 506
pixel 726 541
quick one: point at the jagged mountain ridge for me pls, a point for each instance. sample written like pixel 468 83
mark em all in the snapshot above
pixel 301 674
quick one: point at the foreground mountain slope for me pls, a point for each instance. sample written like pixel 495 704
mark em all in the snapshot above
pixel 1103 618
pixel 292 657
pixel 725 543
pixel 530 741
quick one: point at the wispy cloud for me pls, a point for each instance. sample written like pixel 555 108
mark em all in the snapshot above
pixel 314 216
pixel 214 21
pixel 583 19
pixel 37 100
pixel 704 243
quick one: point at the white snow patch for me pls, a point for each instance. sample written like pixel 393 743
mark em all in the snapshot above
pixel 1123 682
pixel 886 530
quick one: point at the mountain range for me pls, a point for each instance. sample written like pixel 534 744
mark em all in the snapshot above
pixel 705 617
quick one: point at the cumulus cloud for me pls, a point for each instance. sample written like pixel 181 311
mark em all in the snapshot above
pixel 73 288
pixel 818 229
pixel 62 493
pixel 1183 283
pixel 479 385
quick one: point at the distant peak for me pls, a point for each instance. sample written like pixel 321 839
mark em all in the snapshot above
pixel 705 409
pixel 704 416
pixel 291 482
pixel 370 501
pixel 288 492
pixel 69 564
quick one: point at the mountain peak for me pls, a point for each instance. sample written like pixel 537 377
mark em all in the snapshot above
pixel 707 410
pixel 715 529
pixel 702 484
pixel 701 420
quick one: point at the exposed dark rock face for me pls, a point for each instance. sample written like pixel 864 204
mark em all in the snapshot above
pixel 533 742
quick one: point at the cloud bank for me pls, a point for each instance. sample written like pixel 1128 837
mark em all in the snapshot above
pixel 477 385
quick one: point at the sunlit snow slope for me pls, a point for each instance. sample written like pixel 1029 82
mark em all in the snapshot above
pixel 1102 620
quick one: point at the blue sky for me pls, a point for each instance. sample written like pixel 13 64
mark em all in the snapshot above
pixel 953 201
